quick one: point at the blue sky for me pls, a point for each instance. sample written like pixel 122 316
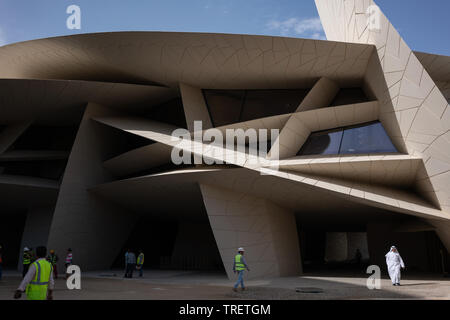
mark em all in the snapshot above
pixel 423 24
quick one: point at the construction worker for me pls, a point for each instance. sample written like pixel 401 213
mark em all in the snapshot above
pixel 53 259
pixel 131 264
pixel 38 282
pixel 140 263
pixel 239 265
pixel 26 261
pixel 68 260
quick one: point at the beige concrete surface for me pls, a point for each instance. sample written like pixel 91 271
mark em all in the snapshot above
pixel 266 230
pixel 413 109
pixel 180 285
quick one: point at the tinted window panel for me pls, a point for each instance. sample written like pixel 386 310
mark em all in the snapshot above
pixel 326 142
pixel 266 103
pixel 233 106
pixel 371 138
pixel 366 138
pixel 349 96
pixel 224 105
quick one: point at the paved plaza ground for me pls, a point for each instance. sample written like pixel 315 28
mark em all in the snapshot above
pixel 162 284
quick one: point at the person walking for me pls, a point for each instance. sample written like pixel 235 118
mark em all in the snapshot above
pixel 140 263
pixel 38 283
pixel 53 259
pixel 239 266
pixel 394 262
pixel 126 262
pixel 26 261
pixel 68 261
pixel 131 264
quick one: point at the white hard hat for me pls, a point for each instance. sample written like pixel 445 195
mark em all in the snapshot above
pixel 26 249
pixel 241 249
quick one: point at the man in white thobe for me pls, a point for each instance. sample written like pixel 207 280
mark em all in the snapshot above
pixel 394 263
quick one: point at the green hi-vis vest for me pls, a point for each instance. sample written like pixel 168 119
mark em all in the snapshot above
pixel 52 259
pixel 140 259
pixel 238 264
pixel 37 288
pixel 26 258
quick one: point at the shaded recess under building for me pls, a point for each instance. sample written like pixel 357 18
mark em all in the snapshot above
pixel 361 160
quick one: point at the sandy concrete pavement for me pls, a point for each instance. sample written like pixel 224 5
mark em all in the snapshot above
pixel 163 284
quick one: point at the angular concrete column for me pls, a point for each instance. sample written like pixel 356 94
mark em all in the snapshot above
pixel 320 96
pixel 195 108
pixel 35 232
pixel 295 131
pixel 266 231
pixel 95 229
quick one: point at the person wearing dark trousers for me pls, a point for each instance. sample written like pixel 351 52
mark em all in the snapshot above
pixel 26 262
pixel 131 264
pixel 140 263
pixel 53 259
pixel 239 265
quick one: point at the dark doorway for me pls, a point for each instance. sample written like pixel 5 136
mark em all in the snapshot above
pixel 438 256
pixel 333 247
pixel 11 230
pixel 155 238
pixel 173 244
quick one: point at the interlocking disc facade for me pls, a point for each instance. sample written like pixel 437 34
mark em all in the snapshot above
pixel 362 159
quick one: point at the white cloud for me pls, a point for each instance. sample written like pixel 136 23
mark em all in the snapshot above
pixel 318 36
pixel 309 27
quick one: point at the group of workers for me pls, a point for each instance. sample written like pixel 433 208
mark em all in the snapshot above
pixel 131 263
pixel 29 256
pixel 39 273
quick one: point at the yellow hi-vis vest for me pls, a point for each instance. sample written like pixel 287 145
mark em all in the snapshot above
pixel 37 288
pixel 140 259
pixel 238 264
pixel 26 258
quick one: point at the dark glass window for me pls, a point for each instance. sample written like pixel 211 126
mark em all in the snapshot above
pixel 366 138
pixel 349 96
pixel 267 103
pixel 224 106
pixel 325 142
pixel 233 106
pixel 171 112
pixel 371 138
pixel 38 137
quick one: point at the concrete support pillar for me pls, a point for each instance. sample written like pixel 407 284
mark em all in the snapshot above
pixel 266 231
pixel 320 96
pixel 95 229
pixel 195 108
pixel 35 232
